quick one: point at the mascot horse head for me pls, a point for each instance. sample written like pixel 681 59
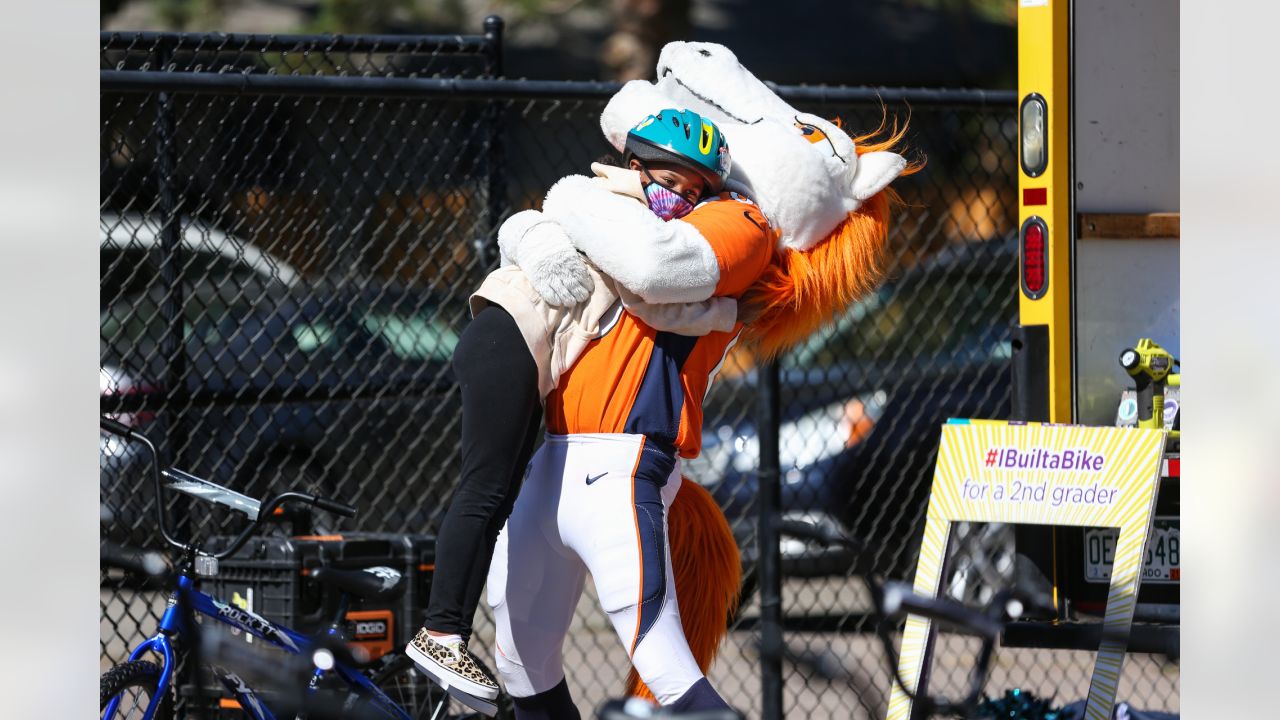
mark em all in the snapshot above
pixel 823 194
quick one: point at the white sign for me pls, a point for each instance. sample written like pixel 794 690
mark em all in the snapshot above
pixel 996 471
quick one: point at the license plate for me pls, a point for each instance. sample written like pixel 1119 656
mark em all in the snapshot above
pixel 1159 567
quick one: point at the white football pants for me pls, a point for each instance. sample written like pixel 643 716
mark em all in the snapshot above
pixel 597 504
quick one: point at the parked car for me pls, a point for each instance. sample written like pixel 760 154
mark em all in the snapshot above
pixel 131 261
pixel 115 455
pixel 278 383
pixel 132 247
pixel 862 404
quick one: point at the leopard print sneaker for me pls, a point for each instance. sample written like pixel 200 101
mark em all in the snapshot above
pixel 451 665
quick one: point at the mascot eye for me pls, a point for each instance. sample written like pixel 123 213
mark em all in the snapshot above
pixel 811 133
pixel 704 53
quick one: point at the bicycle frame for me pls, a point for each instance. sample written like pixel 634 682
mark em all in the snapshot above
pixel 893 600
pixel 177 621
pixel 185 600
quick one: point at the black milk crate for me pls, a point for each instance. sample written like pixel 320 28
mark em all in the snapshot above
pixel 272 577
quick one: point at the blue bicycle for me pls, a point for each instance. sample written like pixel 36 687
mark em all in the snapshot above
pixel 140 688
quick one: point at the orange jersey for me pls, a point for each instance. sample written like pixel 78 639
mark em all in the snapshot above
pixel 636 379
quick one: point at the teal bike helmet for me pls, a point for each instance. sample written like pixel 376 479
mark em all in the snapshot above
pixel 685 138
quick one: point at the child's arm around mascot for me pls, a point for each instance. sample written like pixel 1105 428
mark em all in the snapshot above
pixel 675 261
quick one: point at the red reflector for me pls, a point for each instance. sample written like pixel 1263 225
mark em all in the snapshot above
pixel 1035 196
pixel 1035 258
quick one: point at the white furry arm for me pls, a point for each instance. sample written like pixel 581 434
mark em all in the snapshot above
pixel 662 262
pixel 541 249
pixel 718 314
pixel 512 230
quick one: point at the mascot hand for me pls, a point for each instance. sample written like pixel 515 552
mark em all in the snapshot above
pixel 511 231
pixel 542 250
pixel 554 268
pixel 620 180
pixel 751 305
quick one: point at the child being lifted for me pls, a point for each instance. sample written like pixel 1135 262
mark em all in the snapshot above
pixel 522 338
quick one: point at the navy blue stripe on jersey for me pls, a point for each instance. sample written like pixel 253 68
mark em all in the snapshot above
pixel 660 400
pixel 651 530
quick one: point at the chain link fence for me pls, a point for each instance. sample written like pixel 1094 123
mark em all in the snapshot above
pixel 290 227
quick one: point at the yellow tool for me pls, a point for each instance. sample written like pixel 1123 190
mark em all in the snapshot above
pixel 1151 368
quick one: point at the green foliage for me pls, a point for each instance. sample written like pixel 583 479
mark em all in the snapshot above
pixel 107 8
pixel 365 16
pixel 1003 12
pixel 175 14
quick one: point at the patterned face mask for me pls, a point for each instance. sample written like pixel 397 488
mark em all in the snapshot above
pixel 664 202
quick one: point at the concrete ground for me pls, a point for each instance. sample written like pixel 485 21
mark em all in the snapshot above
pixel 826 675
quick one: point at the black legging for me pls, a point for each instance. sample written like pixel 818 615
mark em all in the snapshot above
pixel 501 414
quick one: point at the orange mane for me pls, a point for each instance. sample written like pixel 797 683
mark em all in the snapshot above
pixel 801 291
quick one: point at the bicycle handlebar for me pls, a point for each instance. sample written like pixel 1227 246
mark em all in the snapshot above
pixel 896 597
pixel 821 534
pixel 115 427
pixel 333 506
pixel 264 513
pixel 275 502
pixel 892 599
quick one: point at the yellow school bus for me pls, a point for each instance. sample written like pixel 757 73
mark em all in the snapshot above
pixel 1098 245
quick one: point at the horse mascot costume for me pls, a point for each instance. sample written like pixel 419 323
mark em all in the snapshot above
pixel 826 197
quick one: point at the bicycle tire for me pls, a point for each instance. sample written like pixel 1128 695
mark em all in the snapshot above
pixel 398 676
pixel 139 674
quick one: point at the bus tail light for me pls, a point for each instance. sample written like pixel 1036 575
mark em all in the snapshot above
pixel 1034 255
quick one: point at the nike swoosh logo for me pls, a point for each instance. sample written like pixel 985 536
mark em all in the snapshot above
pixel 593 479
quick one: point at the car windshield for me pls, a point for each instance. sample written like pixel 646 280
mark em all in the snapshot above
pixel 413 337
pixel 131 256
pixel 407 336
pixel 961 309
pixel 302 328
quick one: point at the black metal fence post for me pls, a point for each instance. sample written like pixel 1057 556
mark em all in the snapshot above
pixel 173 343
pixel 768 421
pixel 173 348
pixel 497 187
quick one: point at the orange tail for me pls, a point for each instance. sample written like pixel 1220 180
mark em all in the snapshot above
pixel 708 574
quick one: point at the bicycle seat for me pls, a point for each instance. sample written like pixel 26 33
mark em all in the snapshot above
pixel 371 583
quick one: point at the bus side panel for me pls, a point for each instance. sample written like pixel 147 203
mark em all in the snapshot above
pixel 1125 119
pixel 1133 293
pixel 1125 147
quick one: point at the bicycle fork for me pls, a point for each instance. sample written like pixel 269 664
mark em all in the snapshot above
pixel 161 646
